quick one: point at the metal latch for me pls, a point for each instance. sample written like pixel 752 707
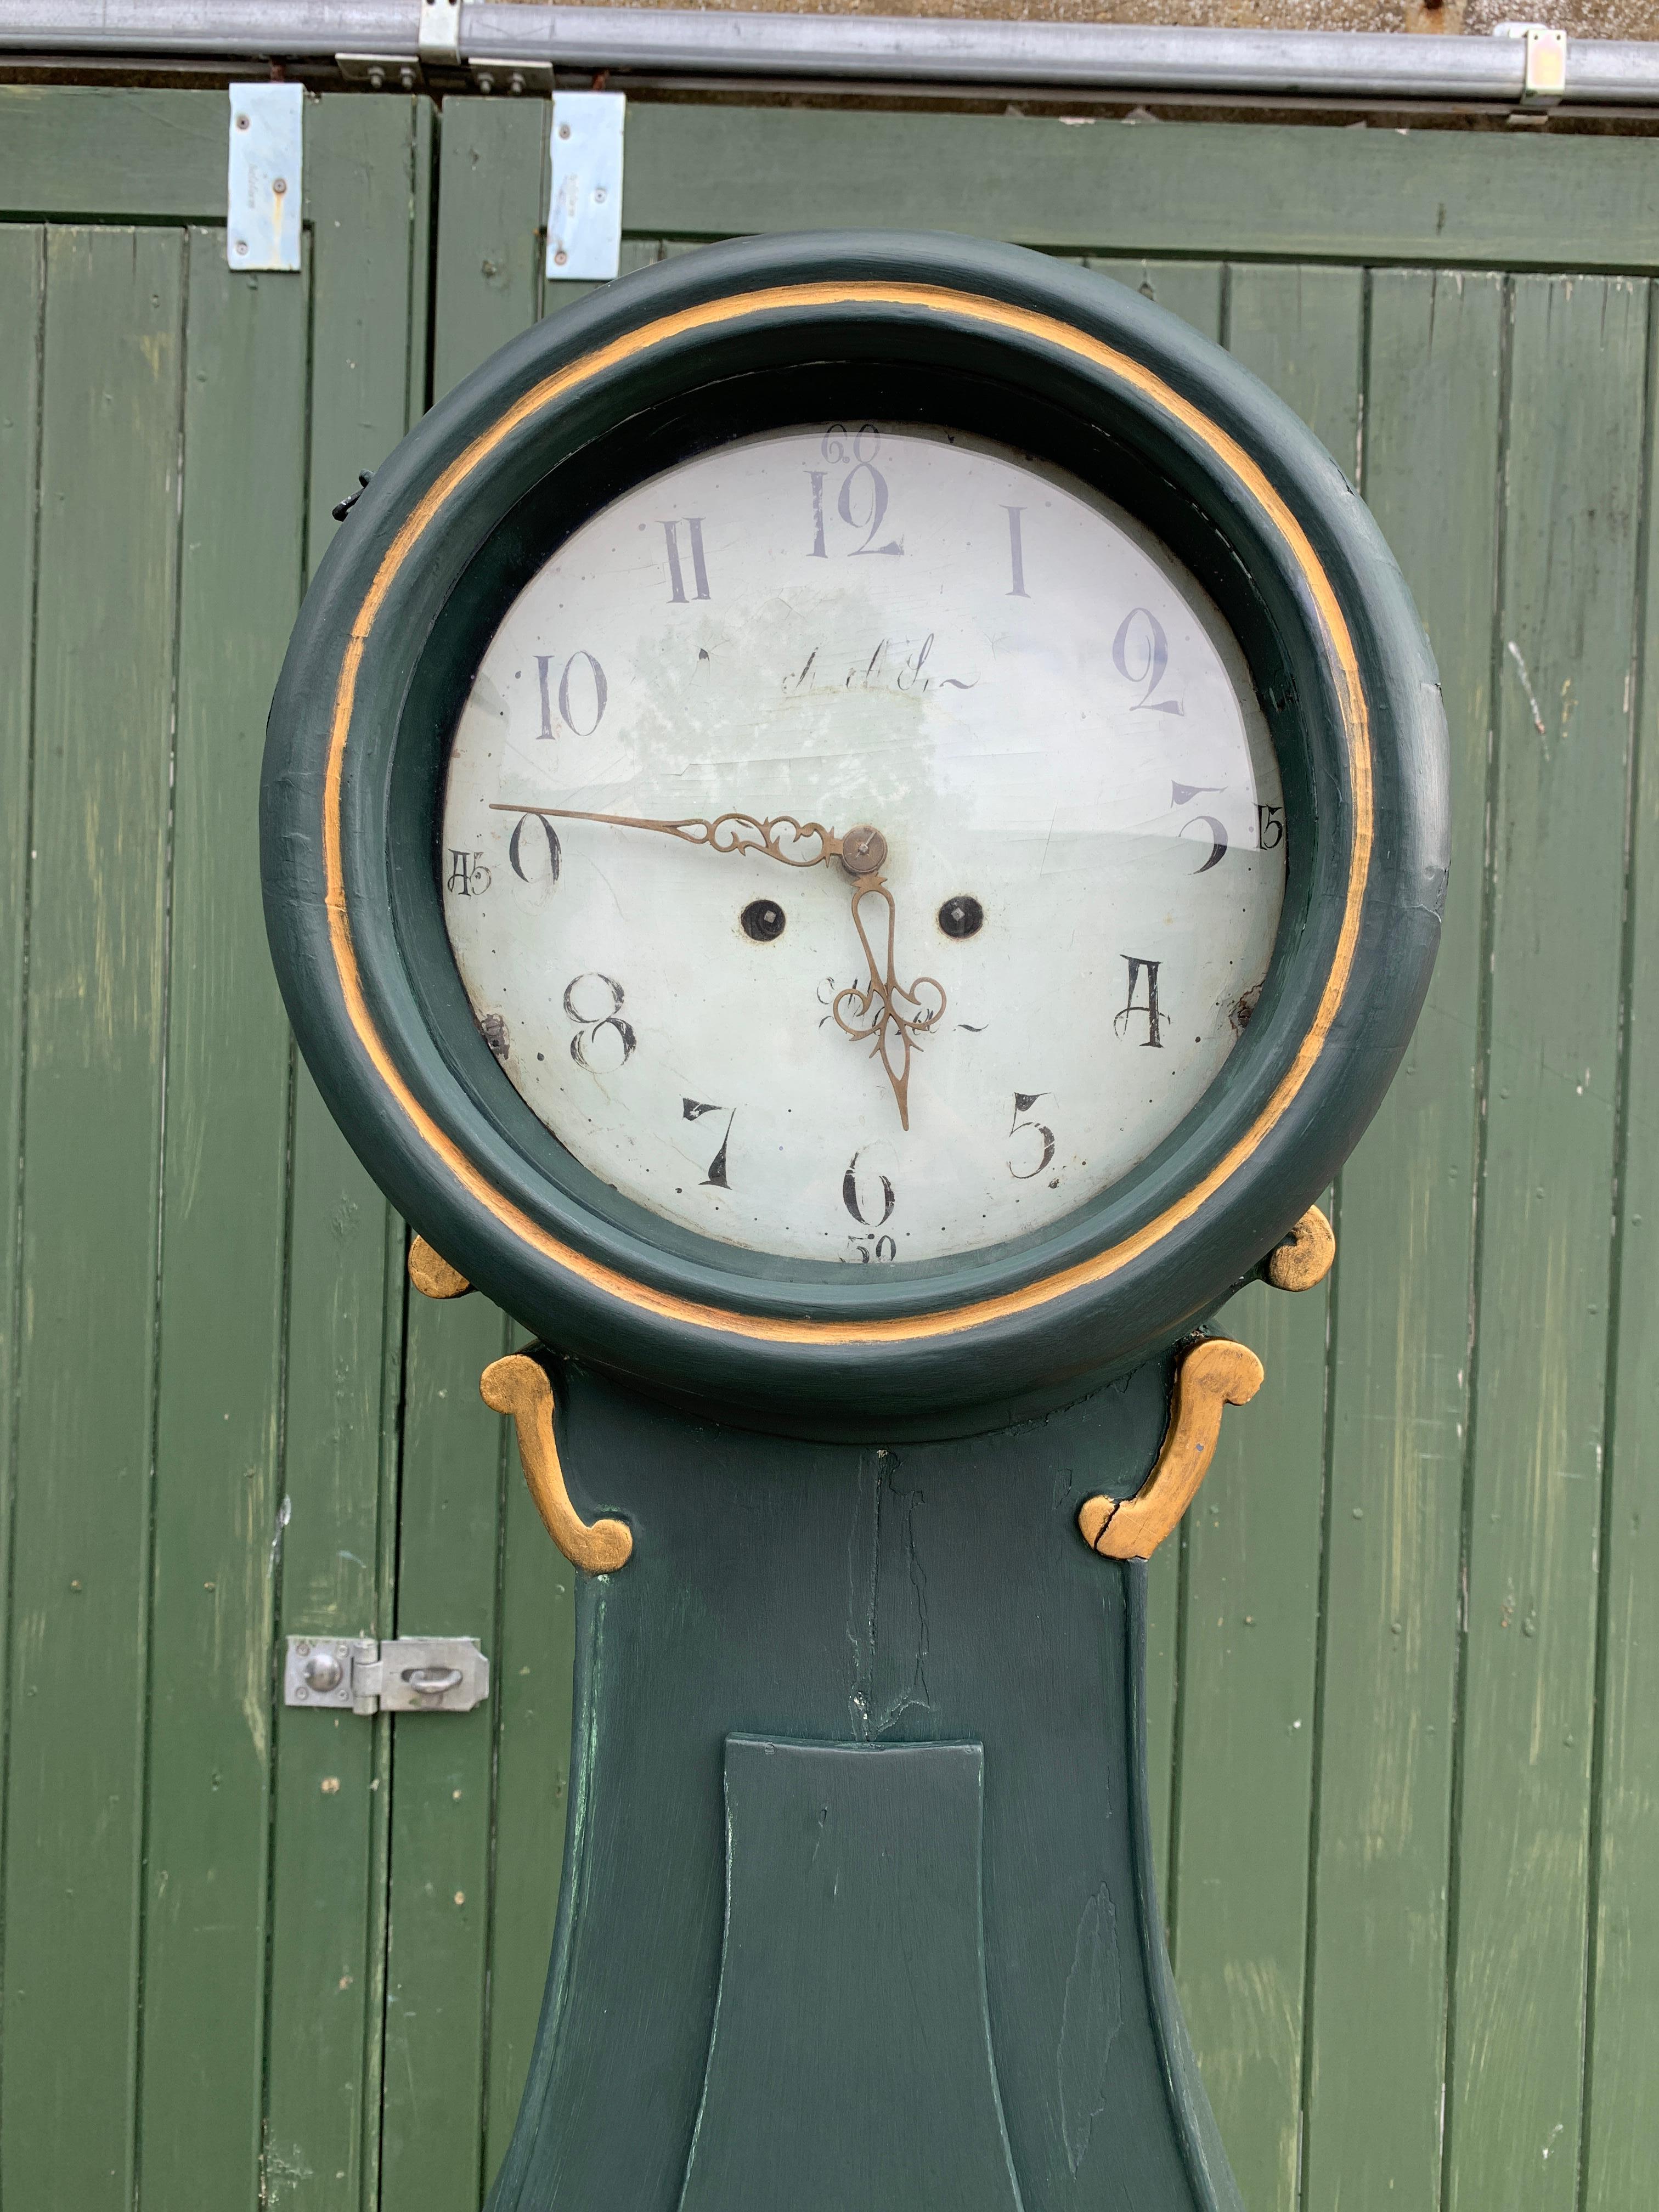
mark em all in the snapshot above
pixel 406 1674
pixel 1544 75
pixel 262 188
pixel 584 214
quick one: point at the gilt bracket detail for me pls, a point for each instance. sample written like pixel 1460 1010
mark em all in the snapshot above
pixel 432 1274
pixel 1305 1255
pixel 519 1385
pixel 1215 1374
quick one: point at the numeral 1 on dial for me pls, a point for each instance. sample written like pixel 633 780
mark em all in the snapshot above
pixel 693 528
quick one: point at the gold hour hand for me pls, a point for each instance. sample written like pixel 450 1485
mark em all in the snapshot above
pixel 891 1013
pixel 777 837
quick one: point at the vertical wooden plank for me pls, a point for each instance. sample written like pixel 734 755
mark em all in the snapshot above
pixel 439 1919
pixel 223 1207
pixel 1563 705
pixel 326 1541
pixel 336 1523
pixel 1622 2070
pixel 22 272
pixel 1298 329
pixel 1399 1359
pixel 104 660
pixel 635 253
pixel 534 1710
pixel 366 161
pixel 492 214
pixel 1248 1693
pixel 1191 290
pixel 494 190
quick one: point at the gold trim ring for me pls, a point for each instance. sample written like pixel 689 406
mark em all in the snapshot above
pixel 708 317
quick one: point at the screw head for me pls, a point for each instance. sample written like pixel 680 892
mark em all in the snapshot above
pixel 564 130
pixel 241 122
pixel 561 258
pixel 598 195
pixel 241 246
pixel 280 185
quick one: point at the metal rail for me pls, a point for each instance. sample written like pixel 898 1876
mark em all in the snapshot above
pixel 890 50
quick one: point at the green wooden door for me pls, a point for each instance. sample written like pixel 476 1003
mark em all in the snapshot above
pixel 203 1304
pixel 1407 1664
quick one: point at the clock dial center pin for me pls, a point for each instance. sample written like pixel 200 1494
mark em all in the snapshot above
pixel 863 851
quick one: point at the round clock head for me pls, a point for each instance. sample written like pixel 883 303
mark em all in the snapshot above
pixel 862 842
pixel 854 827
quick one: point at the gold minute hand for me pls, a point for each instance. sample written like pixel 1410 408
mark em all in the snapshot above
pixel 779 836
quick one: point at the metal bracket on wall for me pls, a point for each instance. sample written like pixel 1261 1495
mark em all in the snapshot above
pixel 401 71
pixel 1544 77
pixel 509 76
pixel 584 214
pixel 263 193
pixel 440 39
pixel 407 1675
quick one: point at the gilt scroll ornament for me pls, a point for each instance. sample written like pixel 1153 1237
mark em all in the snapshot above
pixel 1214 1374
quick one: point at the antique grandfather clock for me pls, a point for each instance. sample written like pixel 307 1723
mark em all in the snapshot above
pixel 854 830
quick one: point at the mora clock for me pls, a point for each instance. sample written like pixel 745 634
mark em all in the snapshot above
pixel 854 830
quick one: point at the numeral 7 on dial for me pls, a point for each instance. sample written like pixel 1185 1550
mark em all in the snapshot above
pixel 694 1109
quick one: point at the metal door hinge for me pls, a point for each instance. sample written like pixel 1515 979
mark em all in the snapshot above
pixel 584 214
pixel 263 191
pixel 406 1674
pixel 1544 75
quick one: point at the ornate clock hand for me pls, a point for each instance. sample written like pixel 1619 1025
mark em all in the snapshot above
pixel 778 837
pixel 885 1009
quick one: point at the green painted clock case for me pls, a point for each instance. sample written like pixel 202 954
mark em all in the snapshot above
pixel 1070 368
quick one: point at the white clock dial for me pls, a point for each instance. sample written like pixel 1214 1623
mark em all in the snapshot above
pixel 863 1048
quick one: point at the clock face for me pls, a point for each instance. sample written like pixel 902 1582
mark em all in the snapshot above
pixel 862 844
